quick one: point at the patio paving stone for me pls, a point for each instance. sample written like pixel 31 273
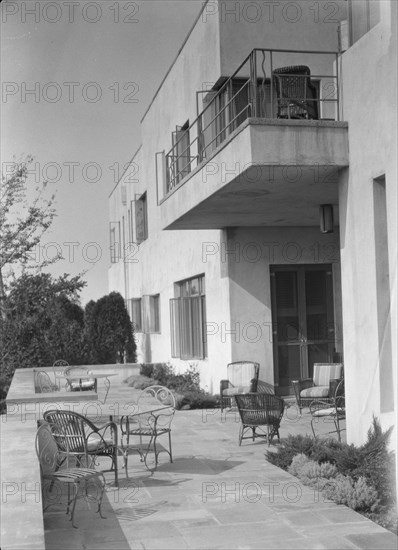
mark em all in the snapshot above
pixel 215 495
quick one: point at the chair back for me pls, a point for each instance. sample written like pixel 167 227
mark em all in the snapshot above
pixel 241 373
pixel 260 408
pixel 324 372
pixel 43 382
pixel 70 430
pixel 47 450
pixel 151 396
pixel 294 89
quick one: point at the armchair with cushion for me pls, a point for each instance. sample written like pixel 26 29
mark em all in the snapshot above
pixel 329 410
pixel 242 377
pixel 52 468
pixel 77 437
pixel 79 379
pixel 321 386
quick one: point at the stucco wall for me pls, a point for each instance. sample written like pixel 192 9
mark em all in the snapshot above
pixel 370 82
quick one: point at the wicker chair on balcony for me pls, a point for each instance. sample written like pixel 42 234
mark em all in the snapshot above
pixel 329 410
pixel 77 437
pixel 296 95
pixel 321 386
pixel 260 414
pixel 53 471
pixel 242 378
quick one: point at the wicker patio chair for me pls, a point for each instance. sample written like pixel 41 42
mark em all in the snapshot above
pixel 52 471
pixel 262 412
pixel 242 377
pixel 321 386
pixel 150 425
pixel 79 379
pixel 44 383
pixel 329 410
pixel 296 95
pixel 77 437
pixel 59 367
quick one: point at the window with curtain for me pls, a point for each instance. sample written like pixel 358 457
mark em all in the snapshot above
pixel 188 319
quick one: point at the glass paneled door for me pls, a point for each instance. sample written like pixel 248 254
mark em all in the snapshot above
pixel 303 321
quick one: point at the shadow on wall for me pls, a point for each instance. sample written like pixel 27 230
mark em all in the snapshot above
pixel 146 345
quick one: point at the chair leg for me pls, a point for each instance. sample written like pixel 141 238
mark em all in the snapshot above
pixel 76 491
pixel 114 460
pixel 101 496
pixel 241 434
pixel 170 453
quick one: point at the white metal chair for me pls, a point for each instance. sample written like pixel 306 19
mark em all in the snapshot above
pixel 150 425
pixel 52 470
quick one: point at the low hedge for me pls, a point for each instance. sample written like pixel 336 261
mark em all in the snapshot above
pixel 362 478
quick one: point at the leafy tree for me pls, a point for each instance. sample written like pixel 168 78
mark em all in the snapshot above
pixel 21 224
pixel 44 322
pixel 108 331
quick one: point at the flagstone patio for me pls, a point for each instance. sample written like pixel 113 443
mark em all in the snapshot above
pixel 214 495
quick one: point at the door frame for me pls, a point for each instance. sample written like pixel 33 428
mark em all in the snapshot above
pixel 305 368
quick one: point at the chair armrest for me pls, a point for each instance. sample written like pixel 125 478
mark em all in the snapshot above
pixel 253 385
pixel 302 384
pixel 333 383
pixel 109 425
pixel 224 384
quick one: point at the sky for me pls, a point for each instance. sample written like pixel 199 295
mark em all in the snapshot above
pixel 77 78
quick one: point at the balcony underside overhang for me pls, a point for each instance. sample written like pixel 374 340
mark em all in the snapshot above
pixel 267 173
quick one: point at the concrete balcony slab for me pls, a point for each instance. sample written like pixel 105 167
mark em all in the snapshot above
pixel 268 172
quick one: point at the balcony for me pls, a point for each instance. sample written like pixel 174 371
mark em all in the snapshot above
pixel 266 149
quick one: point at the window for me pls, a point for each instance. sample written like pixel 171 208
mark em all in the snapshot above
pixel 135 311
pixel 188 319
pixel 179 159
pixel 114 231
pixel 141 219
pixel 151 314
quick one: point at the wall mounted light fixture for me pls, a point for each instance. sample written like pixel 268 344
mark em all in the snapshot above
pixel 326 218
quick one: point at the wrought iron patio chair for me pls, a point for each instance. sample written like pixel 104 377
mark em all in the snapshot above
pixel 332 409
pixel 321 386
pixel 261 414
pixel 77 437
pixel 52 470
pixel 79 379
pixel 59 367
pixel 44 383
pixel 242 377
pixel 296 95
pixel 150 425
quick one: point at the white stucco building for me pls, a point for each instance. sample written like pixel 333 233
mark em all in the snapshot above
pixel 216 241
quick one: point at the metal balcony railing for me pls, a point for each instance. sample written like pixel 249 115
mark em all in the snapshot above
pixel 257 89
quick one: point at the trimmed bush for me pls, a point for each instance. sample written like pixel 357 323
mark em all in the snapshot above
pixel 365 479
pixel 185 386
pixel 141 382
pixel 297 463
pixel 356 494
